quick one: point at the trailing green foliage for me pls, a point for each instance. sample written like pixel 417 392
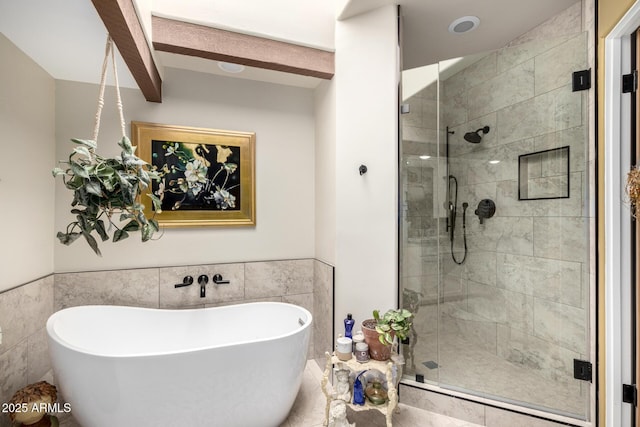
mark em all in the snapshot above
pixel 103 188
pixel 398 321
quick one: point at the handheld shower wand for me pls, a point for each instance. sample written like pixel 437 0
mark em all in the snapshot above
pixel 451 216
pixel 451 220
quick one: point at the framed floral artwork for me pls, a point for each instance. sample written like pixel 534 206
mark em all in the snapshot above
pixel 206 177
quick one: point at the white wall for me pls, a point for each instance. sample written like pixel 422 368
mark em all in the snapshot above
pixel 26 186
pixel 366 128
pixel 282 118
pixel 325 185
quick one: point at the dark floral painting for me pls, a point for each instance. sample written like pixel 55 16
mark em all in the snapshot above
pixel 206 177
pixel 196 176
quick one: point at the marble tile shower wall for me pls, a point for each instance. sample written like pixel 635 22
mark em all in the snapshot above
pixel 527 274
pixel 24 310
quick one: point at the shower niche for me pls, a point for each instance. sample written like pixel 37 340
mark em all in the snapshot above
pixel 501 297
pixel 544 174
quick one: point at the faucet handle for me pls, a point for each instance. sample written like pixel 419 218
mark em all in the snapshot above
pixel 186 281
pixel 217 279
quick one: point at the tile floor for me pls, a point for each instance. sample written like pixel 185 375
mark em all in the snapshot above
pixel 308 410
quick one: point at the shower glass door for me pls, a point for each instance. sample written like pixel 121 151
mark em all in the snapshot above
pixel 495 225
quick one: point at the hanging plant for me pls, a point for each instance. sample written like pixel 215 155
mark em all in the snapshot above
pixel 106 191
pixel 633 189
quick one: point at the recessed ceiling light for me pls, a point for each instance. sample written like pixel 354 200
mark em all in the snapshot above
pixel 494 162
pixel 230 67
pixel 425 157
pixel 464 24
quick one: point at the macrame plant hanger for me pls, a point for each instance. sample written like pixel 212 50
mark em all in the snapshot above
pixel 108 52
pixel 103 187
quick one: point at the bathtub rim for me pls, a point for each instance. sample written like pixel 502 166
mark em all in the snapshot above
pixel 51 334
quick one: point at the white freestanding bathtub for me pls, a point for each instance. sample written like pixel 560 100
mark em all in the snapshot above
pixel 239 365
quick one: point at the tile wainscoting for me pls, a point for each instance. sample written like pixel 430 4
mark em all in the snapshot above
pixel 24 310
pixel 24 356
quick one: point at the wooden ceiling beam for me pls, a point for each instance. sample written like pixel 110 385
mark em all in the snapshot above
pixel 221 45
pixel 122 23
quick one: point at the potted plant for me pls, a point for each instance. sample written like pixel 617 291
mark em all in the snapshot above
pixel 380 331
pixel 104 188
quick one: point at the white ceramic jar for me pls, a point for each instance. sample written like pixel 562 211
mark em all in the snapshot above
pixel 344 348
pixel 357 338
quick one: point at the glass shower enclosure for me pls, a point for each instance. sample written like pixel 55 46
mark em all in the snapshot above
pixel 494 224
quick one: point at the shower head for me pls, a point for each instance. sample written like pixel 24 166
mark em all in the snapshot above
pixel 475 137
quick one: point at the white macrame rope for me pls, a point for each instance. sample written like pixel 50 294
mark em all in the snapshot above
pixel 103 79
pixel 119 100
pixel 108 51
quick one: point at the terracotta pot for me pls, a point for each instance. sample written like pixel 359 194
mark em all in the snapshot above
pixel 377 350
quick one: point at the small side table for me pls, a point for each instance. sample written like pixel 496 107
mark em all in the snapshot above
pixel 385 367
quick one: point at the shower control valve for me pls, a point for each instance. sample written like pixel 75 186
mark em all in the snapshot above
pixel 486 209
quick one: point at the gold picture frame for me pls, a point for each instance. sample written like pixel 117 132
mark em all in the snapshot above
pixel 207 176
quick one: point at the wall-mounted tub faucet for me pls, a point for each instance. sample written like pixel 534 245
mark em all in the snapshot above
pixel 203 279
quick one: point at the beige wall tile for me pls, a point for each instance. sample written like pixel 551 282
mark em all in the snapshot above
pixel 442 404
pixel 562 238
pixel 555 280
pixel 38 362
pixel 13 375
pixel 507 200
pixel 322 308
pixel 511 87
pixel 121 287
pixel 561 324
pixel 277 278
pixel 305 301
pixel 25 310
pixel 568 22
pixel 480 71
pixel 573 137
pixel 501 418
pixel 553 69
pixel 501 234
pixel 513 55
pixel 553 111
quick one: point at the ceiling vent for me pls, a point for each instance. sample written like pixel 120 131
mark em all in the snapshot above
pixel 464 24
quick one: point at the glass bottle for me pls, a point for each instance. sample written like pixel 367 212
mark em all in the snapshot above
pixel 348 325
